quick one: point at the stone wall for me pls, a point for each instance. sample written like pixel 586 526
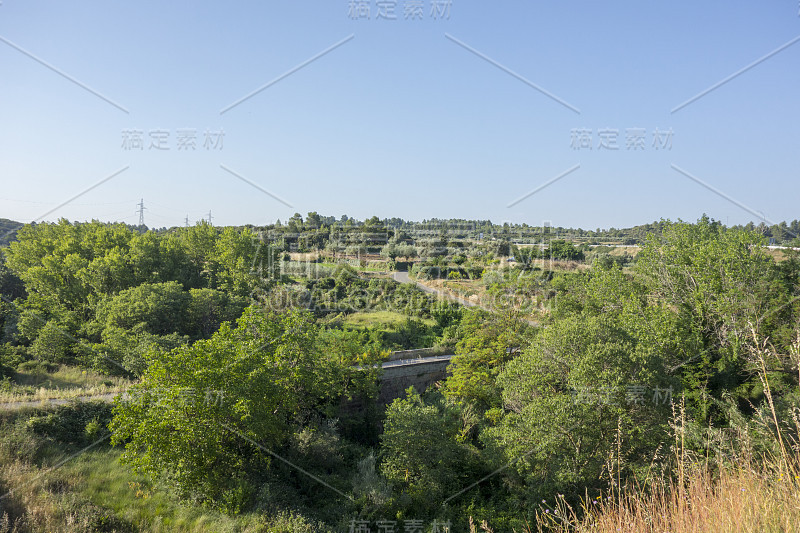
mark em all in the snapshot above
pixel 397 377
pixel 420 375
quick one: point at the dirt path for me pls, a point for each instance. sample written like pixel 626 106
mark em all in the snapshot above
pixel 402 277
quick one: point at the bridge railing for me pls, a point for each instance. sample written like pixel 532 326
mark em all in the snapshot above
pixel 419 353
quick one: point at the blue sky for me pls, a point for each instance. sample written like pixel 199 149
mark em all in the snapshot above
pixel 414 118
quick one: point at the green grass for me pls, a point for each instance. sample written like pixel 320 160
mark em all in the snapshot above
pixel 64 499
pixel 106 482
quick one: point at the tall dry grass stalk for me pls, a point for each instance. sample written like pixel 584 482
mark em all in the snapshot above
pixel 744 494
pixel 749 498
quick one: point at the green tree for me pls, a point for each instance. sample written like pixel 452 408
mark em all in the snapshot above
pixel 719 282
pixel 567 396
pixel 406 251
pixel 200 244
pixel 421 452
pixel 566 251
pixel 313 220
pixel 204 417
pixel 207 309
pixel 295 223
pixel 158 308
pixel 53 343
pixel 11 288
pixel 390 251
pixel 128 351
pixel 524 256
pixel 487 342
pixel 598 371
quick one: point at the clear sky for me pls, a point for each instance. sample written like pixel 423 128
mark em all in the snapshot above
pixel 458 110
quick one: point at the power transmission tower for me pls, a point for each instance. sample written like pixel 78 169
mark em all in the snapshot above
pixel 209 217
pixel 187 221
pixel 141 212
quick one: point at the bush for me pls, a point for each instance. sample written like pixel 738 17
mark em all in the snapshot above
pixel 439 272
pixel 37 367
pixel 421 453
pixel 13 356
pixel 79 423
pixel 53 344
pixel 158 308
pixel 6 371
pixel 91 518
pixel 130 351
pixel 18 443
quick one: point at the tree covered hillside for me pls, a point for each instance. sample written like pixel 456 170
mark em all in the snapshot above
pixel 8 231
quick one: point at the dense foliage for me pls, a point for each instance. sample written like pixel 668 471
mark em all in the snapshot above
pixel 256 391
pixel 82 281
pixel 207 416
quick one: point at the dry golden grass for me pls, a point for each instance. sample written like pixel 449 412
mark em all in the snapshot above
pixel 65 383
pixel 746 498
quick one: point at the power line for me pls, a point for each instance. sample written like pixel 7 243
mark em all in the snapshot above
pixel 170 208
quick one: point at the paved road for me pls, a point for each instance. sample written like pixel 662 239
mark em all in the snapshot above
pixel 402 277
pixel 418 360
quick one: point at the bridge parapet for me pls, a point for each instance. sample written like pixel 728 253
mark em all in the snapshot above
pixel 418 373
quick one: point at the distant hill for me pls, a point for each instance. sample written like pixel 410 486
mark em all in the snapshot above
pixel 8 230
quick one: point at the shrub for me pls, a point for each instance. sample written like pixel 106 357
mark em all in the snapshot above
pixel 123 351
pixel 18 443
pixel 37 367
pixel 286 522
pixel 91 518
pixel 440 272
pixel 13 356
pixel 53 344
pixel 78 423
pixel 6 371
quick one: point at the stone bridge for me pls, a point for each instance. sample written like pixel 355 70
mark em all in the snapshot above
pixel 420 373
